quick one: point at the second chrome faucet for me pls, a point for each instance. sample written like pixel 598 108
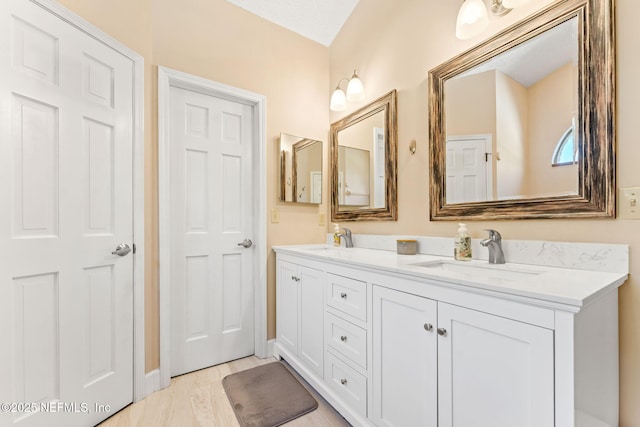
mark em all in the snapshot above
pixel 346 236
pixel 494 244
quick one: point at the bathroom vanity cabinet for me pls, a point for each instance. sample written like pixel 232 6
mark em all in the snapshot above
pixel 393 346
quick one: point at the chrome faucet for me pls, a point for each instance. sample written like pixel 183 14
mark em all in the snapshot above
pixel 494 243
pixel 348 240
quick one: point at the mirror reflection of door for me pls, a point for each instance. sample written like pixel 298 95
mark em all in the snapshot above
pixel 469 169
pixel 354 166
pixel 379 176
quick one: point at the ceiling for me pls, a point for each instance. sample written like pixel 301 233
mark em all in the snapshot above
pixel 318 20
pixel 536 58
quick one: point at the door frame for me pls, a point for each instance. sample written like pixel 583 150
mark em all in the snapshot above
pixel 137 60
pixel 168 78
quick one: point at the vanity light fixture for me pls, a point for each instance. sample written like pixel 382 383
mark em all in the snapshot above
pixel 355 92
pixel 473 17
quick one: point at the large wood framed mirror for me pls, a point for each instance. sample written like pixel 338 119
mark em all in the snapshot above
pixel 522 125
pixel 363 163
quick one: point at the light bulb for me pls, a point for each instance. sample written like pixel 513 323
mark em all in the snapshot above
pixel 338 100
pixel 355 88
pixel 472 19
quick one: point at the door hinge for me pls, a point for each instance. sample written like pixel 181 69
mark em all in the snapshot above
pixel 134 248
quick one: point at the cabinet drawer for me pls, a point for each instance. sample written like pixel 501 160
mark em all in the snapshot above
pixel 347 295
pixel 347 383
pixel 347 339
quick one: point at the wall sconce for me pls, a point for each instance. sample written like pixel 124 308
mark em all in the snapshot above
pixel 473 17
pixel 355 92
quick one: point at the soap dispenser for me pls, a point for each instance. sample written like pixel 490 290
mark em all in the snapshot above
pixel 462 248
pixel 336 235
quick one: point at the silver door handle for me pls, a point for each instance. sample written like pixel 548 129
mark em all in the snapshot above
pixel 121 250
pixel 246 243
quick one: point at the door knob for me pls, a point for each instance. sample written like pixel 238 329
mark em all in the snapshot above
pixel 246 243
pixel 442 331
pixel 121 250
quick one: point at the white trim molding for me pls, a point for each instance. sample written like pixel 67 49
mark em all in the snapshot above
pixel 166 79
pixel 138 181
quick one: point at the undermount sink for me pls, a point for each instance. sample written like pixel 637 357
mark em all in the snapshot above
pixel 475 271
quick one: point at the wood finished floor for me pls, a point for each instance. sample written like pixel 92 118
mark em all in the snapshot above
pixel 198 399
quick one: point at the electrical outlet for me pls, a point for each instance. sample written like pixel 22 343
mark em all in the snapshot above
pixel 629 203
pixel 322 219
pixel 275 215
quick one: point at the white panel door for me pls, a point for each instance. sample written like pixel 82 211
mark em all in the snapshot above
pixel 468 179
pixel 405 381
pixel 66 141
pixel 493 371
pixel 212 205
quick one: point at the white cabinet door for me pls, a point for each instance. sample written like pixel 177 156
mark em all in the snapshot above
pixel 493 371
pixel 287 310
pixel 300 313
pixel 404 359
pixel 311 314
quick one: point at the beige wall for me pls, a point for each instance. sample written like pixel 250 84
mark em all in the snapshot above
pixel 470 105
pixel 551 102
pixel 395 44
pixel 511 134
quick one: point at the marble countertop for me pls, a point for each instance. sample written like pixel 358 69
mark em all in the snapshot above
pixel 566 286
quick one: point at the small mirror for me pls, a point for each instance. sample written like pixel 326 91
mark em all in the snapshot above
pixel 300 169
pixel 363 163
pixel 522 125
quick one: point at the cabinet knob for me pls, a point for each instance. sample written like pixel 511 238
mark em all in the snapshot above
pixel 442 331
pixel 428 327
pixel 343 295
pixel 293 278
pixel 343 338
pixel 343 381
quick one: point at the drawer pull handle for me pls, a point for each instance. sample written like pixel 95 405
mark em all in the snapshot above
pixel 343 381
pixel 442 331
pixel 428 327
pixel 343 295
pixel 343 338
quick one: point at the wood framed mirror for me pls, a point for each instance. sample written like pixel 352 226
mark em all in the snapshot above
pixel 522 125
pixel 363 163
pixel 300 169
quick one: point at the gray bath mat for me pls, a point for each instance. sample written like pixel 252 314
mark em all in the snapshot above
pixel 267 396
